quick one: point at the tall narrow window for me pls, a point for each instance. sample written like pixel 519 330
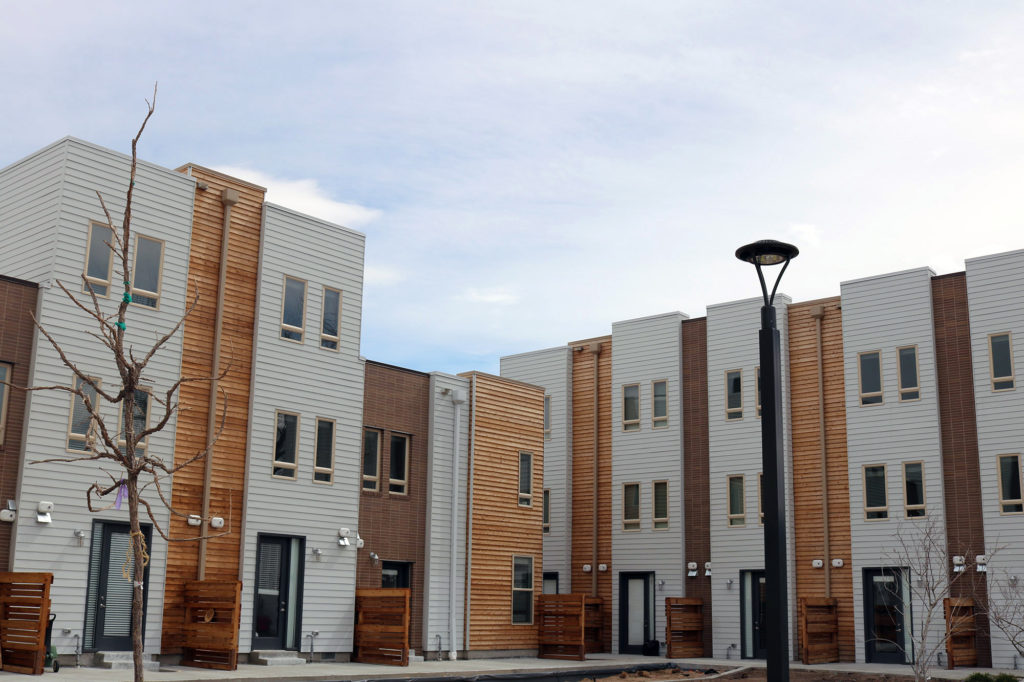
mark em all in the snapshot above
pixel 293 309
pixel 737 505
pixel 547 511
pixel 659 404
pixel 757 390
pixel 139 424
pixel 522 590
pixel 734 394
pixel 1010 501
pixel 547 417
pixel 286 445
pixel 371 459
pixel 398 476
pixel 869 367
pixel 5 375
pixel 98 259
pixel 323 457
pixel 525 479
pixel 631 506
pixel 910 388
pixel 760 497
pixel 876 498
pixel 913 489
pixel 81 426
pixel 149 262
pixel 330 319
pixel 1000 347
pixel 631 407
pixel 660 494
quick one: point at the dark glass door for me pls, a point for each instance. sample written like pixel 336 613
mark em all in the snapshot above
pixel 278 592
pixel 636 611
pixel 111 578
pixel 885 604
pixel 395 574
pixel 753 598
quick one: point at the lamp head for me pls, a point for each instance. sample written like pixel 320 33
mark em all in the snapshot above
pixel 767 252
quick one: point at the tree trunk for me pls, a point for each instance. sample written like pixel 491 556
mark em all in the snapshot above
pixel 138 545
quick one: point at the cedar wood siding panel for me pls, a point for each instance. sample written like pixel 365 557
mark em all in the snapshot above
pixel 995 291
pixel 646 350
pixel 550 369
pixel 507 419
pixel 583 503
pixel 162 208
pixel 807 484
pixel 228 454
pixel 312 382
pixel 29 206
pixel 735 448
pixel 884 313
pixel 438 541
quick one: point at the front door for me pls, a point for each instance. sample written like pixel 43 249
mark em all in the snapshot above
pixel 636 611
pixel 753 597
pixel 550 582
pixel 111 568
pixel 886 601
pixel 396 574
pixel 279 569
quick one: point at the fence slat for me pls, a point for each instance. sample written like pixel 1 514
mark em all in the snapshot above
pixel 382 626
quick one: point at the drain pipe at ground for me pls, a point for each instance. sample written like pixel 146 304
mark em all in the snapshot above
pixel 595 351
pixel 469 512
pixel 818 313
pixel 458 398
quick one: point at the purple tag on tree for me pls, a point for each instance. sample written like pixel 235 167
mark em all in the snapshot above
pixel 121 492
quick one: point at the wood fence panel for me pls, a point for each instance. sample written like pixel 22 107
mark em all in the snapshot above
pixel 24 612
pixel 961 631
pixel 593 624
pixel 382 626
pixel 684 627
pixel 819 630
pixel 561 628
pixel 210 631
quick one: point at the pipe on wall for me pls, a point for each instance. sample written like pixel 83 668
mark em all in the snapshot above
pixel 818 314
pixel 595 352
pixel 458 398
pixel 469 511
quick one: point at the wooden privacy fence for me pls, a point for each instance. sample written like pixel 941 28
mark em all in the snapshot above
pixel 24 612
pixel 210 634
pixel 382 626
pixel 818 630
pixel 569 626
pixel 684 627
pixel 593 624
pixel 961 631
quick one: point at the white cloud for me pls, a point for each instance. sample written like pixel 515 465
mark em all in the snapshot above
pixel 382 275
pixel 804 233
pixel 494 296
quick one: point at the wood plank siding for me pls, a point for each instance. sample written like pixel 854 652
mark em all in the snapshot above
pixel 229 453
pixel 808 502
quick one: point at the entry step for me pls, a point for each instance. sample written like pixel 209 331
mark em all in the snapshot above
pixel 277 658
pixel 122 660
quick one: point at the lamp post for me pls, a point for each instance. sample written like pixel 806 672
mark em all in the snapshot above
pixel 776 632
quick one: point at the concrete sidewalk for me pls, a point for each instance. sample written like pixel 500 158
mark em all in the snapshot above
pixel 497 666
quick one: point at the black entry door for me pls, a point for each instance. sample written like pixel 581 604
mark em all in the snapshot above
pixel 636 611
pixel 278 592
pixel 395 574
pixel 111 577
pixel 753 598
pixel 885 604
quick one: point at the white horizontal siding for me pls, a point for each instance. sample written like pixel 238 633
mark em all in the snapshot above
pixel 29 205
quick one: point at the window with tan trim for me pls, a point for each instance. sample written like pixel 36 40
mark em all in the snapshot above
pixel 876 496
pixel 147 269
pixel 525 479
pixel 737 509
pixel 547 417
pixel 546 518
pixel 6 372
pixel 734 394
pixel 659 493
pixel 760 498
pixel 757 391
pixel 139 424
pixel 1010 500
pixel 323 451
pixel 910 384
pixel 398 473
pixel 286 445
pixel 81 425
pixel 293 309
pixel 659 404
pixel 330 319
pixel 1000 357
pixel 913 490
pixel 371 459
pixel 630 506
pixel 869 374
pixel 631 407
pixel 99 259
pixel 522 590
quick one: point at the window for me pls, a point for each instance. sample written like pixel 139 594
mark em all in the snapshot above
pixel 98 259
pixel 371 459
pixel 631 506
pixel 631 407
pixel 525 479
pixel 913 489
pixel 286 445
pixel 876 499
pixel 737 505
pixel 547 417
pixel 330 319
pixel 5 375
pixel 293 309
pixel 323 457
pixel 398 476
pixel 1000 350
pixel 910 388
pixel 660 494
pixel 1010 501
pixel 139 424
pixel 547 511
pixel 81 426
pixel 734 394
pixel 869 367
pixel 149 261
pixel 659 404
pixel 760 498
pixel 522 590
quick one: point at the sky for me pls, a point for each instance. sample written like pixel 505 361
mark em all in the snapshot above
pixel 527 173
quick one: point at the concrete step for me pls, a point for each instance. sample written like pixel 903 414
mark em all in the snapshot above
pixel 277 658
pixel 413 658
pixel 122 660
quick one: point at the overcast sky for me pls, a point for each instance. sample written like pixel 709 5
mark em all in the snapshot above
pixel 527 173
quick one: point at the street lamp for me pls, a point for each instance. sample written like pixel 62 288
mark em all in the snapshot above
pixel 764 253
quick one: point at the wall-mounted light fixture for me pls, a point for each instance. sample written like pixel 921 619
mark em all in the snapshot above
pixel 374 557
pixel 691 569
pixel 661 586
pixel 343 542
pixel 602 567
pixel 316 553
pixel 195 520
pixel 707 569
pixel 817 563
pixel 43 511
pixel 586 568
pixel 981 561
pixel 1013 581
pixel 80 534
pixel 217 522
pixel 959 564
pixel 728 584
pixel 837 563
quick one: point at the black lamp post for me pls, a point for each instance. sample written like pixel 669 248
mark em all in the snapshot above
pixel 776 634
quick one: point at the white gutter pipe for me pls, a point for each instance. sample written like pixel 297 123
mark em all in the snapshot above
pixel 458 398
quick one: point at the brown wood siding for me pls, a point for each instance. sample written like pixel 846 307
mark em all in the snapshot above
pixel 228 456
pixel 696 476
pixel 507 417
pixel 965 528
pixel 583 472
pixel 807 483
pixel 17 305
pixel 396 400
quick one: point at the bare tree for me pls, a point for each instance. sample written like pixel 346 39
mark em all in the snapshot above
pixel 1006 608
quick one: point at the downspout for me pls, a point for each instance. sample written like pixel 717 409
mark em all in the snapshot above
pixel 818 313
pixel 228 198
pixel 469 511
pixel 458 398
pixel 595 351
